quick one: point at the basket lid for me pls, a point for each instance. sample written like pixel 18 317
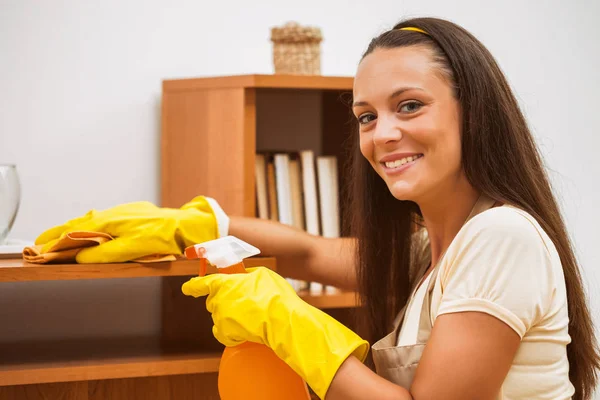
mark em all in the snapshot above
pixel 293 32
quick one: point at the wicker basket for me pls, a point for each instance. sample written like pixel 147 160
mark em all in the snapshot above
pixel 296 49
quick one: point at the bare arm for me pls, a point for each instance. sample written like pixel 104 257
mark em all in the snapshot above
pixel 299 254
pixel 487 343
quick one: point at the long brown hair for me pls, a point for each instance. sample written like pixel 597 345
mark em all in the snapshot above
pixel 494 135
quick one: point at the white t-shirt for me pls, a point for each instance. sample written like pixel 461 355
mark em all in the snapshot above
pixel 503 264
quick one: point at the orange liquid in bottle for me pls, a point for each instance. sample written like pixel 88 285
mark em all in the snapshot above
pixel 252 371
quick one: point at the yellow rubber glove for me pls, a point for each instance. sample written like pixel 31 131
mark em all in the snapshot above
pixel 262 307
pixel 140 229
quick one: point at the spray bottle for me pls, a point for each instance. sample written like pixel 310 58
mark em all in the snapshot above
pixel 249 371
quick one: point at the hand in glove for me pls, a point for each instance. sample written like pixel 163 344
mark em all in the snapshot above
pixel 141 229
pixel 262 307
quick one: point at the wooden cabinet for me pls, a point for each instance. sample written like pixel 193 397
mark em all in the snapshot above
pixel 211 130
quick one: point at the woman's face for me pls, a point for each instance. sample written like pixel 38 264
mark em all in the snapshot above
pixel 409 123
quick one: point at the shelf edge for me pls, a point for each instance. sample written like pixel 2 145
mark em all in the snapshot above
pixel 280 81
pixel 20 271
pixel 98 371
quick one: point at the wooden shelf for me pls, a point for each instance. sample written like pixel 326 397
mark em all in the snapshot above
pixel 315 82
pixel 224 117
pixel 69 361
pixel 17 270
pixel 85 360
pixel 330 300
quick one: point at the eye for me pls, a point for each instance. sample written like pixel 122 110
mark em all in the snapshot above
pixel 364 119
pixel 410 106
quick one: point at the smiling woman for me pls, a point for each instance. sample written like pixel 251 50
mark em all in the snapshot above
pixel 469 283
pixel 459 251
pixel 495 308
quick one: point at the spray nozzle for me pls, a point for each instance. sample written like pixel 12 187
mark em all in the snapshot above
pixel 222 252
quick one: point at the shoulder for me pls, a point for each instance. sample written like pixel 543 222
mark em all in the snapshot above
pixel 502 244
pixel 503 247
pixel 505 225
pixel 504 264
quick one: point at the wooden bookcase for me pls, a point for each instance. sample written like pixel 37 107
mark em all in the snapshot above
pixel 211 130
pixel 213 127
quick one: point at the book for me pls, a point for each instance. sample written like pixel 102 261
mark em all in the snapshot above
pixel 296 194
pixel 311 203
pixel 328 196
pixel 300 190
pixel 329 200
pixel 283 183
pixel 272 191
pixel 262 195
pixel 309 186
pixel 281 161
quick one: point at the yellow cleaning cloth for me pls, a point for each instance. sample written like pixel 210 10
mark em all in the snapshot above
pixel 65 249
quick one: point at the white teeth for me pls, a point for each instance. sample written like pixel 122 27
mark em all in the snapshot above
pixel 397 163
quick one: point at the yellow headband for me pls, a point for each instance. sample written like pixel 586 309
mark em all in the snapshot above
pixel 412 28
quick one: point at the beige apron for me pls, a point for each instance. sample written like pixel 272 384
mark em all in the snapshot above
pixel 399 363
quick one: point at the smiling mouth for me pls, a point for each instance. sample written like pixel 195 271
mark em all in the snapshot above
pixel 403 162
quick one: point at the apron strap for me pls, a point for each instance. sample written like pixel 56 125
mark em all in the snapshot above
pixel 418 276
pixel 425 325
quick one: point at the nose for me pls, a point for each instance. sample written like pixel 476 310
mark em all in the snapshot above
pixel 386 131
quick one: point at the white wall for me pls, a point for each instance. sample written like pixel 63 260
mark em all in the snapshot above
pixel 80 92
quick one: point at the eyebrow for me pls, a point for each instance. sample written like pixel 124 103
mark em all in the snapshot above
pixel 395 94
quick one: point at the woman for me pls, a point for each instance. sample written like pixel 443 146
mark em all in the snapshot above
pixel 484 301
pixel 495 308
